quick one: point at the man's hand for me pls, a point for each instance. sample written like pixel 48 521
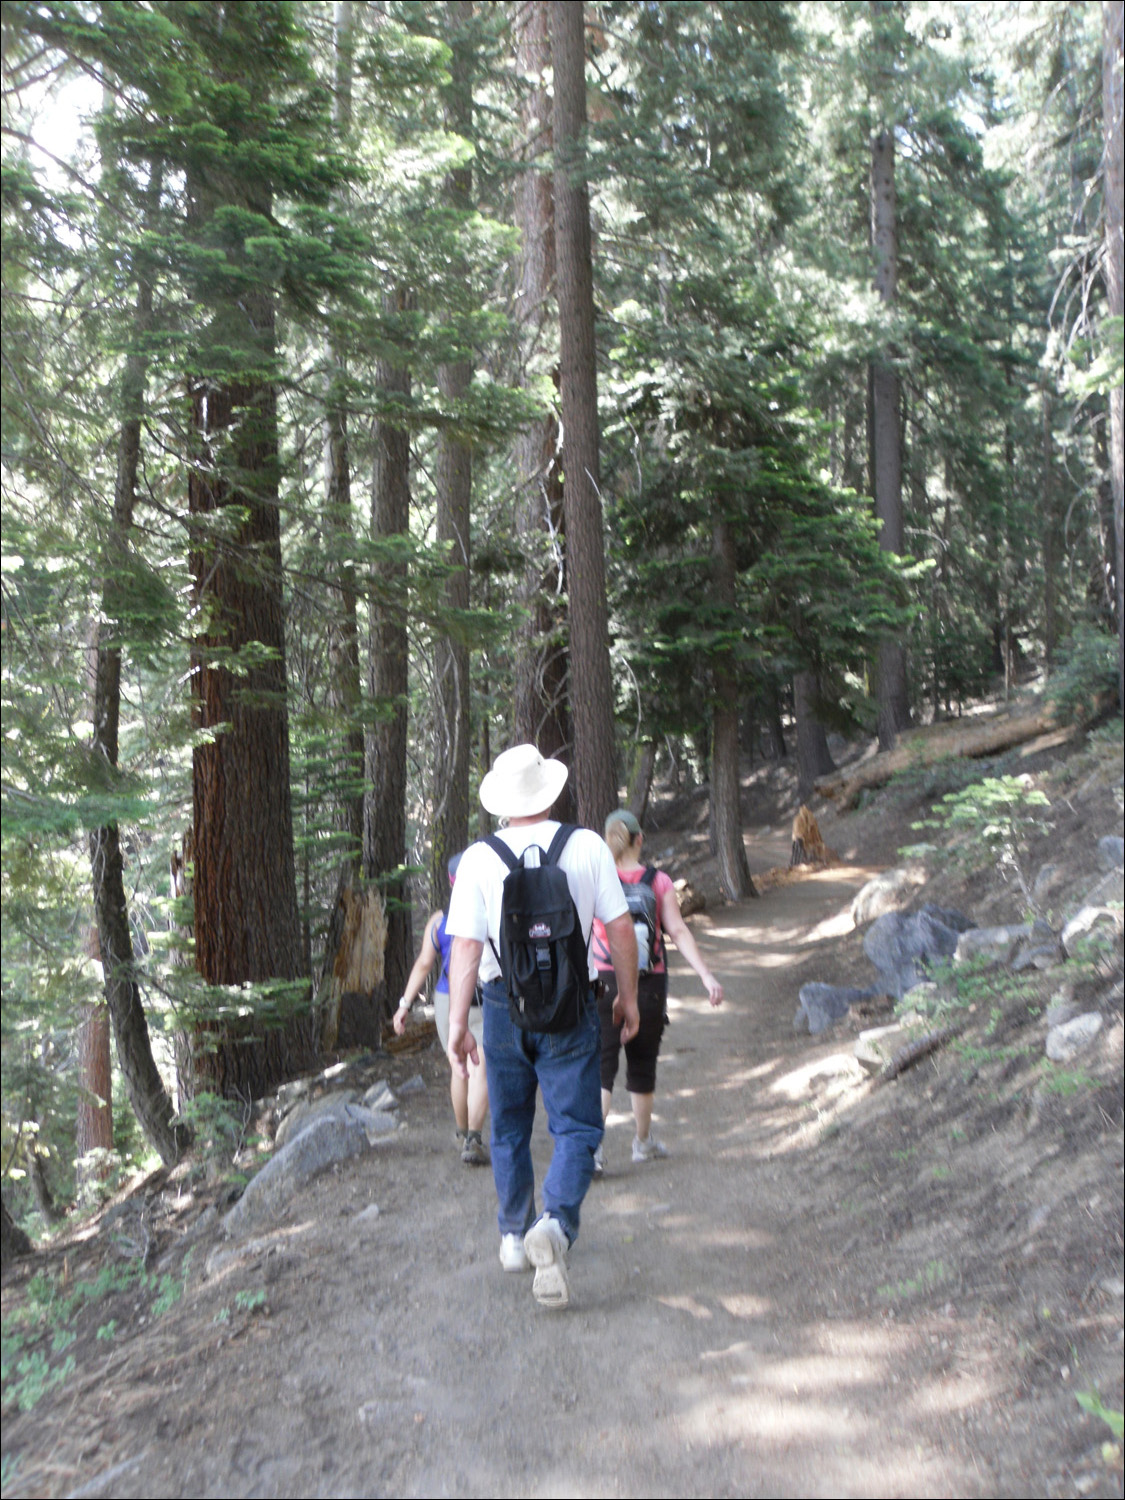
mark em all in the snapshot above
pixel 462 1049
pixel 622 940
pixel 627 1016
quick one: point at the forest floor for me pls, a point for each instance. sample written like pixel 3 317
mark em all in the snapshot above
pixel 831 1287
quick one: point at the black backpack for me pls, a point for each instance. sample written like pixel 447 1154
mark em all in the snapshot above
pixel 642 908
pixel 542 948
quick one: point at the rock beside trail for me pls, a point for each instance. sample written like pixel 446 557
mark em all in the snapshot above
pixel 889 891
pixel 1019 945
pixel 1065 1041
pixel 903 945
pixel 334 1136
pixel 821 1005
pixel 303 1113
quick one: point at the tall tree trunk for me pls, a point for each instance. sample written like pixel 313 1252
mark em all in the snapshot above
pixel 886 437
pixel 343 639
pixel 726 785
pixel 813 755
pixel 640 779
pixel 94 1115
pixel 454 479
pixel 540 715
pixel 344 690
pixel 595 777
pixel 1050 540
pixel 1113 106
pixel 148 1096
pixel 247 920
pixel 384 834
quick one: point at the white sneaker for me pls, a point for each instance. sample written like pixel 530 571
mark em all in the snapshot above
pixel 649 1149
pixel 512 1254
pixel 546 1246
pixel 599 1161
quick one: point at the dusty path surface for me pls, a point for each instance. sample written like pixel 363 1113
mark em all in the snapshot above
pixel 758 1314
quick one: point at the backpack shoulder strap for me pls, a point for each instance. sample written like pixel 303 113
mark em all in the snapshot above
pixel 649 875
pixel 559 842
pixel 501 848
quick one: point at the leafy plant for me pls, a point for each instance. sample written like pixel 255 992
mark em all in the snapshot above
pixel 991 821
pixel 1064 1081
pixel 1091 1402
pixel 1086 676
pixel 932 1274
pixel 218 1126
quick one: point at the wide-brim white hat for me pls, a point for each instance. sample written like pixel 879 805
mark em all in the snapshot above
pixel 521 782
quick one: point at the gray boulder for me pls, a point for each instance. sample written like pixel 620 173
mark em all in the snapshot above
pixel 1067 1040
pixel 886 892
pixel 1111 852
pixel 302 1114
pixel 321 1145
pixel 903 945
pixel 1090 921
pixel 994 945
pixel 821 1005
pixel 379 1096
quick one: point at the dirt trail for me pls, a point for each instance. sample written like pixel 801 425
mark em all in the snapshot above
pixel 726 1334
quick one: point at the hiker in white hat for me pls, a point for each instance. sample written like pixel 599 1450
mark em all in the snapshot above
pixel 520 790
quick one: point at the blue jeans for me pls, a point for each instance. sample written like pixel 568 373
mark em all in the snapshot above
pixel 565 1066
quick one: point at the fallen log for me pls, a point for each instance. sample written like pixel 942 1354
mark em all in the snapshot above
pixel 925 747
pixel 915 1051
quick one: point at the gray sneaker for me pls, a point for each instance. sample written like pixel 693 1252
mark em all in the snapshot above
pixel 472 1151
pixel 599 1161
pixel 513 1257
pixel 649 1149
pixel 546 1245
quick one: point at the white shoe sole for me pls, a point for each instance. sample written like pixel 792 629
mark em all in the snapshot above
pixel 551 1287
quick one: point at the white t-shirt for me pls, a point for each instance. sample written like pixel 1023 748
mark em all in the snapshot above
pixel 478 891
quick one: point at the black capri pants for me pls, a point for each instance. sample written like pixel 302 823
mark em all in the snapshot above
pixel 641 1052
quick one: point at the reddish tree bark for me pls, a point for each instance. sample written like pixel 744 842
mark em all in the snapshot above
pixel 594 774
pixel 540 713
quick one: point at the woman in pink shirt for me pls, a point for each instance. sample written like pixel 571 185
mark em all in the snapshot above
pixel 624 837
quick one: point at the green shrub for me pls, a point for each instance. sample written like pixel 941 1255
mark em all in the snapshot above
pixel 1086 677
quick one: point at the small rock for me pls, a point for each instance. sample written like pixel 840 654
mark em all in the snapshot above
pixel 415 1085
pixel 1041 958
pixel 887 892
pixel 994 945
pixel 379 1096
pixel 1084 922
pixel 289 1093
pixel 1060 1011
pixel 1066 1041
pixel 377 1123
pixel 367 1216
pixel 1111 852
pixel 244 1254
pixel 1038 1217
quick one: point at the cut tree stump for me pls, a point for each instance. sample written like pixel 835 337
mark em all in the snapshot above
pixel 958 738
